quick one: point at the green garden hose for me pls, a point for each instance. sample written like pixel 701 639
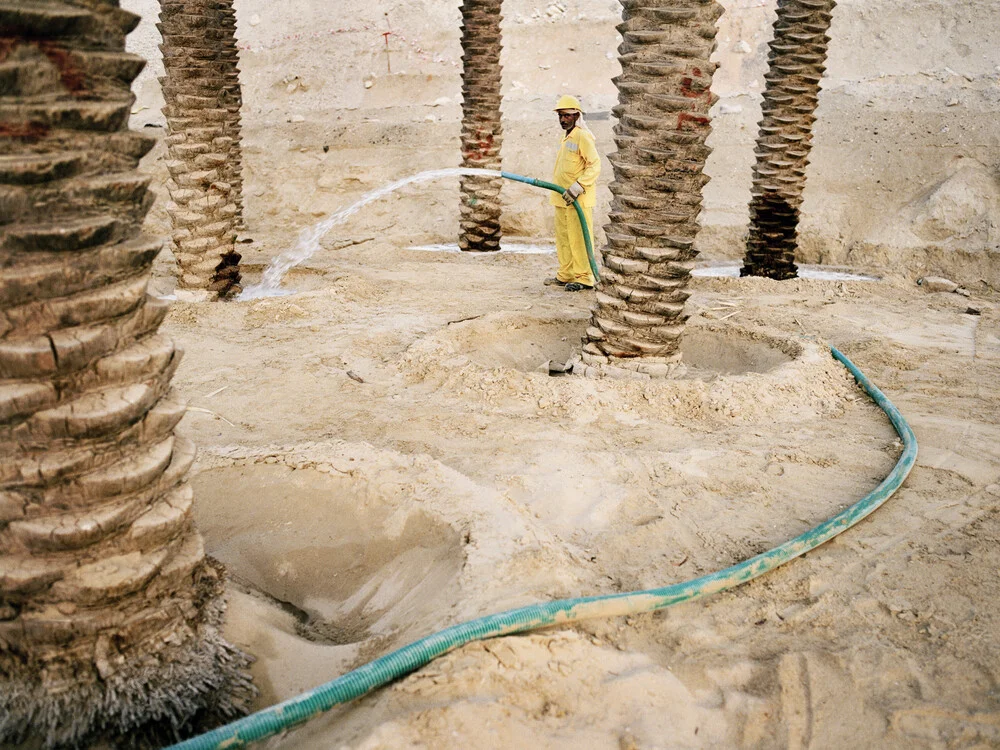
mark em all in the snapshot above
pixel 579 212
pixel 357 683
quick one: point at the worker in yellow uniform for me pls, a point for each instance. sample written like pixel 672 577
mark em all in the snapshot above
pixel 577 166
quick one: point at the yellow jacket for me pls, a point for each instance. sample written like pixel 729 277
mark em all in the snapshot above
pixel 577 161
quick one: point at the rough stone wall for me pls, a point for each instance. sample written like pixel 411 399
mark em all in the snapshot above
pixel 664 100
pixel 109 613
pixel 202 93
pixel 482 134
pixel 795 69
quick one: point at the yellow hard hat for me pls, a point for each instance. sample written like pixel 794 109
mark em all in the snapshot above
pixel 568 102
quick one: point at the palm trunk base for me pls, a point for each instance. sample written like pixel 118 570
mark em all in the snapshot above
pixel 480 213
pixel 773 239
pixel 597 364
pixel 149 702
pixel 227 276
pixel 480 238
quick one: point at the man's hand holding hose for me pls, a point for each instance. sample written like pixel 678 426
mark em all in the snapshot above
pixel 573 192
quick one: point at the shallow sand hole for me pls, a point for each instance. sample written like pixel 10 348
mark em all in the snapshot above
pixel 710 353
pixel 518 342
pixel 527 343
pixel 348 562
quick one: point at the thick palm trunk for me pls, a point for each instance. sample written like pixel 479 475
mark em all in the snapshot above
pixel 202 92
pixel 796 65
pixel 109 612
pixel 482 134
pixel 663 102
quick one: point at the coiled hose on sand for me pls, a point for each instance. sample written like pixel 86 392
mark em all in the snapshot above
pixel 278 718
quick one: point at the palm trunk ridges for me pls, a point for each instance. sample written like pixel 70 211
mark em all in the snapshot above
pixel 664 96
pixel 796 63
pixel 482 134
pixel 201 90
pixel 109 610
pixel 229 60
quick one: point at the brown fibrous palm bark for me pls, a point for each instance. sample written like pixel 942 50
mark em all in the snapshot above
pixel 202 93
pixel 109 610
pixel 664 98
pixel 482 133
pixel 796 64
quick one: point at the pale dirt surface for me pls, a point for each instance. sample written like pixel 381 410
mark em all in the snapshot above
pixel 451 477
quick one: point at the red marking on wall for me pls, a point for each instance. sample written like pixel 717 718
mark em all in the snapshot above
pixel 696 121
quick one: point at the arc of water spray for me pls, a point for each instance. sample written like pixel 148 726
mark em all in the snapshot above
pixel 309 238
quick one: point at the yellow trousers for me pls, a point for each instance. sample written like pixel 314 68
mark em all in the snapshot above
pixel 571 250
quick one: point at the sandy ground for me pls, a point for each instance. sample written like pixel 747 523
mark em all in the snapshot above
pixel 382 454
pixel 456 481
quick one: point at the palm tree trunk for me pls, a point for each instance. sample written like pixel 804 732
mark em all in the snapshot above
pixel 109 611
pixel 201 89
pixel 663 101
pixel 229 61
pixel 796 64
pixel 482 133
